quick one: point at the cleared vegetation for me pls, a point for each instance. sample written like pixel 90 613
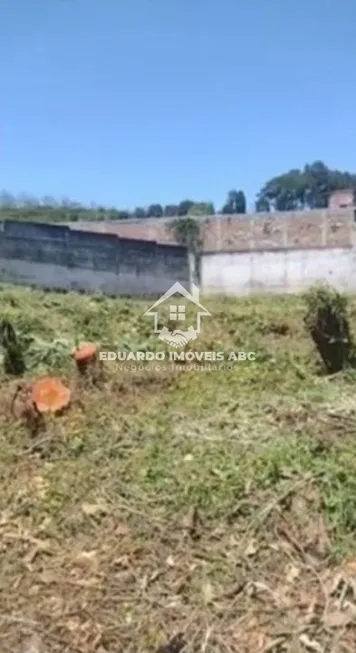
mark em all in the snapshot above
pixel 215 509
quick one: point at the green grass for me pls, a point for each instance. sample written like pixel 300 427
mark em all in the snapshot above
pixel 263 455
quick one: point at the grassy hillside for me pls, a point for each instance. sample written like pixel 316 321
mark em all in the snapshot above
pixel 219 505
pixel 59 213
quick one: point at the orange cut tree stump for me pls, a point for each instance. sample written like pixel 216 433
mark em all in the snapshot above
pixel 87 360
pixel 50 395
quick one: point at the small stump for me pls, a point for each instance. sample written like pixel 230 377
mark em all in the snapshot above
pixel 47 395
pixel 87 361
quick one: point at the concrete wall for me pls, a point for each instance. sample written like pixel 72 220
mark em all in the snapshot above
pixel 255 231
pixel 283 271
pixel 56 257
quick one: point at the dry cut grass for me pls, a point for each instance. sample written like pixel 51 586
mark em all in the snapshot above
pixel 206 512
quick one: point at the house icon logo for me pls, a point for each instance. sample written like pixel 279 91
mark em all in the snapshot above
pixel 177 313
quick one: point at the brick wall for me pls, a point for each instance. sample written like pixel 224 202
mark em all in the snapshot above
pixel 260 231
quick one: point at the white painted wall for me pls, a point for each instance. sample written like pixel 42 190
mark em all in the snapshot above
pixel 287 271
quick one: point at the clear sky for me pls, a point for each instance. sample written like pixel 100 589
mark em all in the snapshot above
pixel 132 102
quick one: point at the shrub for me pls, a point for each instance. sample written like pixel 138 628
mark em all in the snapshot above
pixel 327 322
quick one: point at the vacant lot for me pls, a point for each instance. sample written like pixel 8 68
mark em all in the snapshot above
pixel 219 506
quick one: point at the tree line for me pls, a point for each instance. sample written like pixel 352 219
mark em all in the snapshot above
pixel 296 189
pixel 56 211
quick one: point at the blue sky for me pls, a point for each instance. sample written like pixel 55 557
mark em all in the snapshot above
pixel 131 102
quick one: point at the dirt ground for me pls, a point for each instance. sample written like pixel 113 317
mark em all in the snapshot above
pixel 178 511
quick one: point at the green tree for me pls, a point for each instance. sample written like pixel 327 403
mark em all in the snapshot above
pixel 285 192
pixel 184 207
pixel 170 211
pixel 202 209
pixel 139 213
pixel 155 211
pixel 236 202
pixel 308 188
pixel 123 215
pixel 186 230
pixel 262 206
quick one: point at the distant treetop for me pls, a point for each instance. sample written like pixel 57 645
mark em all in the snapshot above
pixel 297 189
